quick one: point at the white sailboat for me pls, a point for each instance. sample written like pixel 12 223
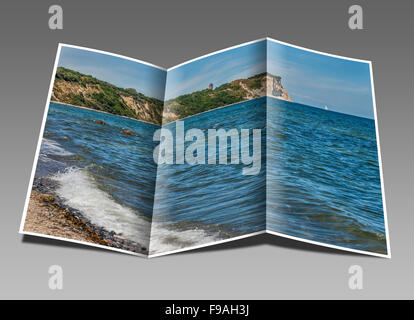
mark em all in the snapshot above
pixel 325 107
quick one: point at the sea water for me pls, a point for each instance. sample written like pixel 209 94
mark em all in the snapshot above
pixel 323 178
pixel 215 198
pixel 319 178
pixel 108 176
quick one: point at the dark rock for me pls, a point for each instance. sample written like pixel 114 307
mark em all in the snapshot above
pixel 129 132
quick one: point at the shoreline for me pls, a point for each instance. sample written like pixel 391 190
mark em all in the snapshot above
pixel 47 215
pixel 222 107
pixel 163 124
pixel 227 105
pixel 100 111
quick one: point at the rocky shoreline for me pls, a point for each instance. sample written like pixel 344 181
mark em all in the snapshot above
pixel 47 214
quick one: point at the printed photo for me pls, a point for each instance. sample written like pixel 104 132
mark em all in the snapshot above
pixel 95 178
pixel 323 170
pixel 263 137
pixel 207 199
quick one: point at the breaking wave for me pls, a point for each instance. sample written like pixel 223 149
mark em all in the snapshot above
pixel 80 191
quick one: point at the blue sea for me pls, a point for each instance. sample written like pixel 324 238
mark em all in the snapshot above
pixel 320 182
pixel 108 176
pixel 323 178
pixel 216 200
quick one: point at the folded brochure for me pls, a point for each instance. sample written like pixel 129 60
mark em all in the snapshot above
pixel 263 137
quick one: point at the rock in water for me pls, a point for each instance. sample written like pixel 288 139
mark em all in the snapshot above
pixel 129 132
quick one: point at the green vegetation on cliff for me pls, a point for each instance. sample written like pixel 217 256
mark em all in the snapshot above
pixel 72 87
pixel 208 99
pixel 75 88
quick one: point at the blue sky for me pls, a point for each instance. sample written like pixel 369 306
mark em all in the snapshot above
pixel 219 68
pixel 318 80
pixel 121 72
pixel 310 78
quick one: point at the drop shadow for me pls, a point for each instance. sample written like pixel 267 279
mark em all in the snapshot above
pixel 276 241
pixel 250 242
pixel 39 240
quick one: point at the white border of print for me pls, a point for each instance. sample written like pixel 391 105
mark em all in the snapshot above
pixel 388 255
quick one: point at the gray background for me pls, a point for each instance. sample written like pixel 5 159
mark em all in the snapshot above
pixel 167 33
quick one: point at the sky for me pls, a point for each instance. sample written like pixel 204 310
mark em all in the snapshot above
pixel 310 78
pixel 319 80
pixel 218 69
pixel 121 72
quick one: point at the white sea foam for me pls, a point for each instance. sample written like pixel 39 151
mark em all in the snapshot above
pixel 165 240
pixel 81 192
pixel 52 147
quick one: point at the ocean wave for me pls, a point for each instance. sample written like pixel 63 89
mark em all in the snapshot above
pixel 80 191
pixel 51 147
pixel 164 239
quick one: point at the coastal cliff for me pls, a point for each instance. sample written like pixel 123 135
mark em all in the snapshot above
pixel 236 91
pixel 275 89
pixel 75 88
pixel 72 87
